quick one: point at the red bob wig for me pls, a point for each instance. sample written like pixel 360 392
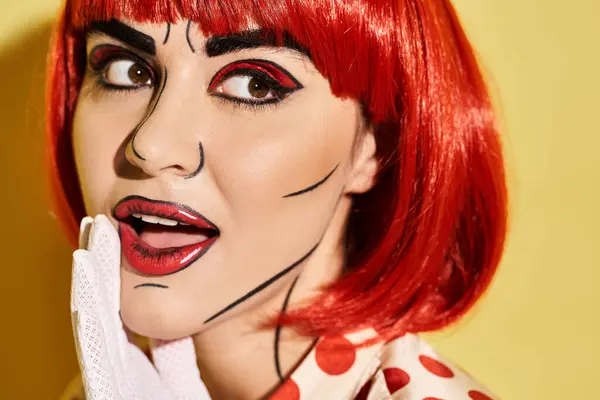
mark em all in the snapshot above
pixel 425 242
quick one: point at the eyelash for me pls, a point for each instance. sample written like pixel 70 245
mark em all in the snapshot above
pixel 275 86
pixel 239 104
pixel 98 65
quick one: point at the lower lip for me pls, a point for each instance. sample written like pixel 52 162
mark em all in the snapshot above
pixel 153 261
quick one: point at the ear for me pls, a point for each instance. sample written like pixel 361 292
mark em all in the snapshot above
pixel 365 165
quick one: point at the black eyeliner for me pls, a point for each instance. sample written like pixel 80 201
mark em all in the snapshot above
pixel 281 92
pixel 98 67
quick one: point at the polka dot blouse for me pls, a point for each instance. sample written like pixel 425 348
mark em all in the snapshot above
pixel 404 369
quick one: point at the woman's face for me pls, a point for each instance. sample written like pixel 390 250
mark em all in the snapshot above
pixel 225 162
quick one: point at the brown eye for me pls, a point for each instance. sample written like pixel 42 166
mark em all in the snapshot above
pixel 258 88
pixel 138 74
pixel 127 73
pixel 247 87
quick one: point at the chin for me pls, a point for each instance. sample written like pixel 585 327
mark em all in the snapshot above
pixel 155 323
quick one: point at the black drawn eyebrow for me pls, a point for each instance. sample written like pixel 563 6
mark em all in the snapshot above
pixel 220 45
pixel 124 33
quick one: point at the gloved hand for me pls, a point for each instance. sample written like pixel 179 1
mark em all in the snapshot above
pixel 112 367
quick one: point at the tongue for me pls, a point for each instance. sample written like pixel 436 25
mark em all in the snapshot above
pixel 161 237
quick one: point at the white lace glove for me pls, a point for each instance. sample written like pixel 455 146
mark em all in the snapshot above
pixel 112 367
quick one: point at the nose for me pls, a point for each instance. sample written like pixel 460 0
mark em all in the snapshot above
pixel 164 142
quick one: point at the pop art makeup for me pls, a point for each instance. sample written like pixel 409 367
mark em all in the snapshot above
pixel 253 82
pixel 244 136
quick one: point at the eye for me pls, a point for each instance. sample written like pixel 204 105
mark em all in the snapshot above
pixel 119 69
pixel 127 73
pixel 253 82
pixel 246 87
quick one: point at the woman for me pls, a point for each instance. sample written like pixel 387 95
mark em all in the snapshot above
pixel 298 186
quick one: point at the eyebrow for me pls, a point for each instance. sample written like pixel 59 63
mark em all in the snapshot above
pixel 124 33
pixel 252 39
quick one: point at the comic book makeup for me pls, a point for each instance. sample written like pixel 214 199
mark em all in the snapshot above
pixel 226 163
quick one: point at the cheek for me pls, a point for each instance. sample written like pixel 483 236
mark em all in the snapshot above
pixel 268 158
pixel 98 138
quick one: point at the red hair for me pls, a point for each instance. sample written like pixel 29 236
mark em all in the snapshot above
pixel 424 243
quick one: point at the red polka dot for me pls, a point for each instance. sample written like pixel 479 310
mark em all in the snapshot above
pixel 395 379
pixel 364 392
pixel 432 398
pixel 335 355
pixel 288 391
pixel 436 367
pixel 477 395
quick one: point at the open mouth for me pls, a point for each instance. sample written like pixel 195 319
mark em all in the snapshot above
pixel 161 237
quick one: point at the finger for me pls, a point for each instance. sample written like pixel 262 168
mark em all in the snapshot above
pixel 88 294
pixel 84 232
pixel 104 240
pixel 105 246
pixel 84 282
pixel 176 364
pixel 86 291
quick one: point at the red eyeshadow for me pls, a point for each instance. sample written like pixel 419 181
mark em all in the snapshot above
pixel 274 71
pixel 101 53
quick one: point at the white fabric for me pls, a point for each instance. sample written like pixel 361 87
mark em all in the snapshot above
pixel 112 367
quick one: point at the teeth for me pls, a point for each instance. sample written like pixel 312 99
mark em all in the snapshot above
pixel 168 222
pixel 151 219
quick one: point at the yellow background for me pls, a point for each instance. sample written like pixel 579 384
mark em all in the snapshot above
pixel 536 335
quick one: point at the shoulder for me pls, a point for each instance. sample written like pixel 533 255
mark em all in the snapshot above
pixel 411 369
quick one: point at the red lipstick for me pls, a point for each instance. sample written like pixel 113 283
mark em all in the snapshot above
pixel 162 237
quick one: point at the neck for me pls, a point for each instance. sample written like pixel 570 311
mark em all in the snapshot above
pixel 238 357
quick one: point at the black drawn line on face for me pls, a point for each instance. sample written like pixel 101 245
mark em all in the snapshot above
pixel 278 330
pixel 314 186
pixel 156 285
pixel 251 39
pixel 285 304
pixel 200 165
pixel 263 285
pixel 168 33
pixel 124 33
pixel 187 36
pixel 147 117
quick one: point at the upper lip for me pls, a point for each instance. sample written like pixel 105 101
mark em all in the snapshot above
pixel 179 212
